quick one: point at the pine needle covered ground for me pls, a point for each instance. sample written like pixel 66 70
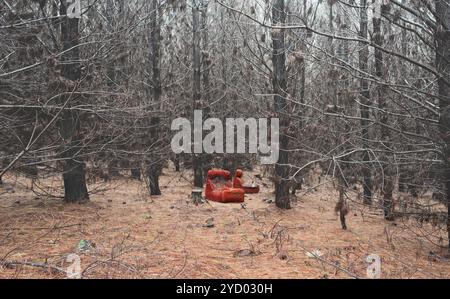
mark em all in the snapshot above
pixel 124 233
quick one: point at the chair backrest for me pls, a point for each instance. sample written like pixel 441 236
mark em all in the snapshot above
pixel 215 173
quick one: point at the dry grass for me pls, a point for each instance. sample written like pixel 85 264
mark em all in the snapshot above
pixel 136 236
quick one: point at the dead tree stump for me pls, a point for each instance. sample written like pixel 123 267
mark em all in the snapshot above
pixel 197 197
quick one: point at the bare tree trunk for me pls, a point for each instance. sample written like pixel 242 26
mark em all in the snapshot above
pixel 205 65
pixel 111 78
pixel 388 182
pixel 206 59
pixel 153 173
pixel 442 36
pixel 403 173
pixel 154 166
pixel 176 162
pixel 136 173
pixel 279 89
pixel 332 75
pixel 75 188
pixel 111 73
pixel 365 99
pixel 341 206
pixel 196 93
pixel 303 48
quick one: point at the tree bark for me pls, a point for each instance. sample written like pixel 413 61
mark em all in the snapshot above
pixel 442 36
pixel 197 162
pixel 75 188
pixel 205 72
pixel 135 172
pixel 154 166
pixel 176 162
pixel 279 89
pixel 365 100
pixel 387 187
pixel 153 173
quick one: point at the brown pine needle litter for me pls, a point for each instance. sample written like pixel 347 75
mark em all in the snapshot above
pixel 166 236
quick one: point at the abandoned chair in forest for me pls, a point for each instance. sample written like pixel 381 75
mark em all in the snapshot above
pixel 224 194
pixel 238 182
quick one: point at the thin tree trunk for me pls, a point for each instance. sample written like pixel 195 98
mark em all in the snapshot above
pixel 442 36
pixel 365 99
pixel 154 167
pixel 196 93
pixel 387 187
pixel 279 89
pixel 112 82
pixel 205 65
pixel 304 49
pixel 135 171
pixel 111 73
pixel 75 188
pixel 176 162
pixel 206 59
pixel 403 173
pixel 153 173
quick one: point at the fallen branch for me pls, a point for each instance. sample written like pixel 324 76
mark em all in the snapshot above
pixel 32 264
pixel 330 263
pixel 41 228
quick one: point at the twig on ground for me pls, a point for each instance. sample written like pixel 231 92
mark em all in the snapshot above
pixel 330 263
pixel 32 264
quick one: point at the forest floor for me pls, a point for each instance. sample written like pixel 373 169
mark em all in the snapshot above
pixel 126 233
